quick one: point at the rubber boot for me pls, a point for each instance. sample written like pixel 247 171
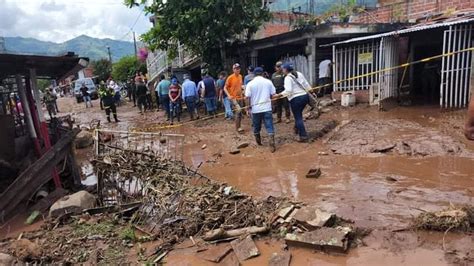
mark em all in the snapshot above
pixel 116 119
pixel 108 119
pixel 258 139
pixel 272 143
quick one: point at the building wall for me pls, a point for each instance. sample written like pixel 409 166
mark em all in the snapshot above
pixel 410 10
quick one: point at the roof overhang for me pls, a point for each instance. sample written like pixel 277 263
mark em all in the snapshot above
pixel 54 67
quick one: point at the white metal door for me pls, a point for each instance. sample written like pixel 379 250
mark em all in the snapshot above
pixel 388 86
pixel 456 67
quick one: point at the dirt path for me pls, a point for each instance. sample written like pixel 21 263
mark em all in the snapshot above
pixel 380 189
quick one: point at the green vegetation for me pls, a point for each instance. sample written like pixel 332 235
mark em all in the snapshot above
pixel 128 233
pixel 126 67
pixel 102 69
pixel 204 27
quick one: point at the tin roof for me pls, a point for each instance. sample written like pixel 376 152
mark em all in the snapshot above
pixel 459 19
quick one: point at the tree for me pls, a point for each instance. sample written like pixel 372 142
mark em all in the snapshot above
pixel 102 69
pixel 204 27
pixel 126 67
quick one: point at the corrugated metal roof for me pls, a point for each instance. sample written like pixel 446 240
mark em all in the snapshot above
pixel 426 26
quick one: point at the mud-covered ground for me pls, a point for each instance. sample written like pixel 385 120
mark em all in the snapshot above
pixel 379 169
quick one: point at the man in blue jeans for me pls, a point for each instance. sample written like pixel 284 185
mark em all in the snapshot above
pixel 258 93
pixel 209 93
pixel 163 88
pixel 229 115
pixel 190 95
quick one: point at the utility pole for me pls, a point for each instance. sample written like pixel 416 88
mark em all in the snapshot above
pixel 135 44
pixel 110 56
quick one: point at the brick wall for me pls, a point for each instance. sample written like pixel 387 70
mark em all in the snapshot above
pixel 405 10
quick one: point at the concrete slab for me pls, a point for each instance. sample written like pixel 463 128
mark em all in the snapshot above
pixel 215 253
pixel 280 259
pixel 313 218
pixel 326 239
pixel 245 248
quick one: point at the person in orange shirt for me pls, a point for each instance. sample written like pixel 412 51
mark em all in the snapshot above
pixel 234 89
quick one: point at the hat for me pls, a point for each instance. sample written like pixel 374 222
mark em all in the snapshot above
pixel 288 66
pixel 236 65
pixel 258 70
pixel 186 76
pixel 251 68
pixel 278 64
pixel 174 81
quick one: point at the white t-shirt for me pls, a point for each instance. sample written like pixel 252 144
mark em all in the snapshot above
pixel 325 69
pixel 260 91
pixel 292 88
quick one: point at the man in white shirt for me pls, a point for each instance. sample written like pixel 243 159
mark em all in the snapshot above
pixel 258 93
pixel 325 76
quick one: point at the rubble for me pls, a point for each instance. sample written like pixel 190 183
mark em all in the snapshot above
pixel 245 248
pixel 243 145
pixel 203 146
pixel 83 140
pixel 74 203
pixel 24 249
pixel 313 218
pixel 280 259
pixel 326 239
pixel 234 150
pixel 222 234
pixel 452 218
pixel 216 253
pixel 314 173
pixel 6 259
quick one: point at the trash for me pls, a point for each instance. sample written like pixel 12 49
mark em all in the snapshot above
pixel 222 234
pixel 313 218
pixel 74 203
pixel 326 239
pixel 280 259
pixel 314 173
pixel 204 146
pixel 25 249
pixel 323 153
pixel 227 190
pixel 452 218
pixel 245 248
pixel 216 253
pixel 83 140
pixel 234 151
pixel 243 145
pixel 31 219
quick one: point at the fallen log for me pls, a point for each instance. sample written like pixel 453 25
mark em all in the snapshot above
pixel 221 233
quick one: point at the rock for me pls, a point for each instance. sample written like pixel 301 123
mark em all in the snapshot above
pixel 391 179
pixel 245 248
pixel 230 260
pixel 325 102
pixel 326 239
pixel 83 140
pixel 204 146
pixel 216 253
pixel 325 110
pixel 24 249
pixel 6 259
pixel 314 173
pixel 234 151
pixel 323 153
pixel 283 213
pixel 280 259
pixel 383 147
pixel 313 218
pixel 243 145
pixel 162 140
pixel 74 203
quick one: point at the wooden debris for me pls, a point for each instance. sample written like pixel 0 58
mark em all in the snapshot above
pixel 280 259
pixel 245 248
pixel 326 239
pixel 314 173
pixel 283 213
pixel 313 218
pixel 243 145
pixel 216 253
pixel 221 233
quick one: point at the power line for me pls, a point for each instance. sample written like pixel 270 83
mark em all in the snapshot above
pixel 134 24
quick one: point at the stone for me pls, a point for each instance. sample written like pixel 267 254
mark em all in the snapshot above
pixel 313 173
pixel 204 146
pixel 313 218
pixel 83 140
pixel 243 145
pixel 234 151
pixel 24 249
pixel 73 203
pixel 280 259
pixel 326 102
pixel 245 248
pixel 283 213
pixel 327 239
pixel 6 259
pixel 216 253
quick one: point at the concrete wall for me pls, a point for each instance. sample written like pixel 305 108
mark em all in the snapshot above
pixel 410 10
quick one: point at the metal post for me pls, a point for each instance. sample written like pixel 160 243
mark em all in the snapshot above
pixel 26 107
pixel 443 72
pixel 110 55
pixel 458 59
pixel 451 65
pixel 134 45
pixel 334 67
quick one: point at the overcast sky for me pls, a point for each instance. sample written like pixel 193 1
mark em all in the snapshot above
pixel 61 20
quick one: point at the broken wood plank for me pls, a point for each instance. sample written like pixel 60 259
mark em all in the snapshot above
pixel 245 248
pixel 314 218
pixel 221 233
pixel 280 259
pixel 326 239
pixel 216 253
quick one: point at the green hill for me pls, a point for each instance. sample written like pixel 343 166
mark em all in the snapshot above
pixel 83 45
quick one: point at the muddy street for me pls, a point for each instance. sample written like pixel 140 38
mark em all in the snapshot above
pixel 379 169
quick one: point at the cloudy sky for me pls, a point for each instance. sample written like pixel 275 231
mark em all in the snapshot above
pixel 61 20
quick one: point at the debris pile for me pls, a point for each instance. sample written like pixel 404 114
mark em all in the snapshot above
pixel 452 218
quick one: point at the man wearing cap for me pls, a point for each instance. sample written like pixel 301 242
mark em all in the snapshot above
pixel 259 94
pixel 190 95
pixel 250 75
pixel 233 89
pixel 278 79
